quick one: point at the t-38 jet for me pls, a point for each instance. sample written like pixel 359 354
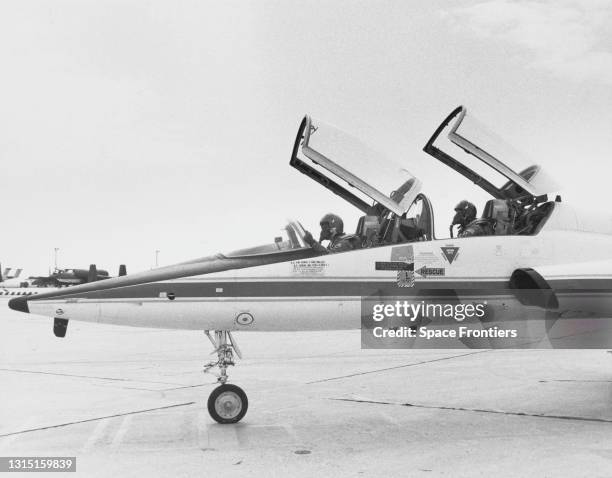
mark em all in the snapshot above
pixel 532 254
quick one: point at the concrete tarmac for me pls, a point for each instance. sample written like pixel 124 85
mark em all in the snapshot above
pixel 132 402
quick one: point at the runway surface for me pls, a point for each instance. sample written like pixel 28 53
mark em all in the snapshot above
pixel 132 402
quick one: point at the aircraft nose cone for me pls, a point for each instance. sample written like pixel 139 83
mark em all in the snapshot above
pixel 19 304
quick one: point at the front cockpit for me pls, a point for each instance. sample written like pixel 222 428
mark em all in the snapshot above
pixel 388 195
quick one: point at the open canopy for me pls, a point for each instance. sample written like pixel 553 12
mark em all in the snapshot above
pixel 473 151
pixel 328 154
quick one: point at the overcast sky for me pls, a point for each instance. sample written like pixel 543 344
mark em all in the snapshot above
pixel 132 126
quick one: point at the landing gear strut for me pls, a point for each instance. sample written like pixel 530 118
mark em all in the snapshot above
pixel 227 403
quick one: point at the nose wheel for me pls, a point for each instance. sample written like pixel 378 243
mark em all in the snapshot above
pixel 227 403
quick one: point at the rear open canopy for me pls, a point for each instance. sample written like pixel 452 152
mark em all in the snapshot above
pixel 484 158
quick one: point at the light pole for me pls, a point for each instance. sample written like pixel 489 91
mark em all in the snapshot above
pixel 156 257
pixel 56 250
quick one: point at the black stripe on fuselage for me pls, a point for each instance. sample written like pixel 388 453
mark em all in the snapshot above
pixel 310 288
pixel 292 288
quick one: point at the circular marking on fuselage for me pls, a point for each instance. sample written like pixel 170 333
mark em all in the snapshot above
pixel 244 318
pixel 59 312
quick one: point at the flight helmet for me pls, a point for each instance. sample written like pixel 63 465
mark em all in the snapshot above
pixel 331 225
pixel 465 212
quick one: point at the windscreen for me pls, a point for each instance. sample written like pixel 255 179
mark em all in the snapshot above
pixel 291 237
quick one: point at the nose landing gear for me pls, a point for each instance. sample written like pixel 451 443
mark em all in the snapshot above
pixel 227 403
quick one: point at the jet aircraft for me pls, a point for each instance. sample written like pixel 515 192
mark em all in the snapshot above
pixel 541 256
pixel 58 278
pixel 65 277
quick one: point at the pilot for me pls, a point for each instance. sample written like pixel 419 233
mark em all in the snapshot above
pixel 332 229
pixel 465 218
pixel 465 213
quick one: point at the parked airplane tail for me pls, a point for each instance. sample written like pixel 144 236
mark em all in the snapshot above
pixel 93 273
pixel 4 275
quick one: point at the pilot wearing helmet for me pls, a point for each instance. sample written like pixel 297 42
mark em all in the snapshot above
pixel 332 229
pixel 465 218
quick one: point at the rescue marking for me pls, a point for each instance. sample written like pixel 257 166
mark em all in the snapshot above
pixel 431 271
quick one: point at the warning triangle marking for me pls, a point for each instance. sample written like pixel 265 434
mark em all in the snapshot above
pixel 450 253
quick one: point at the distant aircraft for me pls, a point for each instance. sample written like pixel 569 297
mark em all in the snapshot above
pixel 12 285
pixel 64 277
pixel 10 280
pixel 540 254
pixel 59 278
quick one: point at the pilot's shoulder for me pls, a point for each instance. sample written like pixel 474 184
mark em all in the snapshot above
pixel 349 237
pixel 347 241
pixel 478 227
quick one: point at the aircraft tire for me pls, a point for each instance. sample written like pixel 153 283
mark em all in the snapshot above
pixel 227 404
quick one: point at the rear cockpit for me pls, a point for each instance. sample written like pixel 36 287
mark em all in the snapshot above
pixel 519 187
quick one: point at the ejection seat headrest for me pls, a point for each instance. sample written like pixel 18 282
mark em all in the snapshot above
pixel 494 208
pixel 498 212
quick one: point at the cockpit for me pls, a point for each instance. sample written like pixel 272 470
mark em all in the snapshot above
pixel 388 195
pixel 393 208
pixel 520 188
